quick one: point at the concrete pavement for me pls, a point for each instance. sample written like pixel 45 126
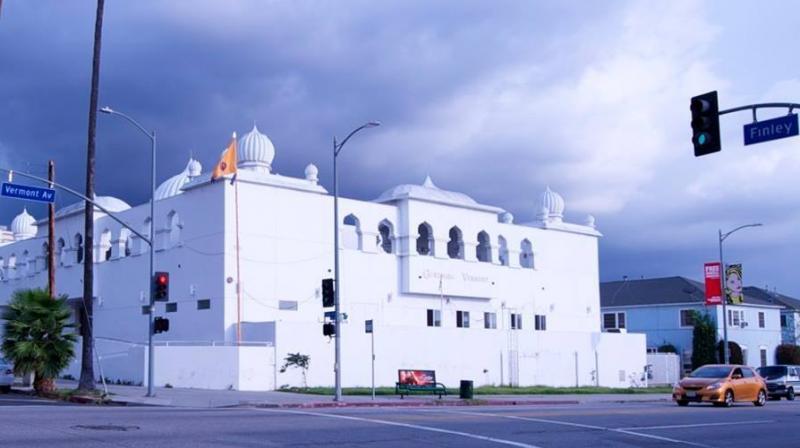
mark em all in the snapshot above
pixel 201 398
pixel 597 424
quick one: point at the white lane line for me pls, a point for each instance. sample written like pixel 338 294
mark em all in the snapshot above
pixel 580 425
pixel 696 425
pixel 407 425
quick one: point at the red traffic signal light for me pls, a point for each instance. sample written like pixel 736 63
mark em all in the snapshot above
pixel 161 286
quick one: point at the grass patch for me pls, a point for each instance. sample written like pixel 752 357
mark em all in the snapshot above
pixel 490 390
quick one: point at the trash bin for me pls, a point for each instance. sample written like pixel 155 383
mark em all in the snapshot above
pixel 465 391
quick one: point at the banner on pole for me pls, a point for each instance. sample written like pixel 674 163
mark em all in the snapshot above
pixel 733 284
pixel 713 289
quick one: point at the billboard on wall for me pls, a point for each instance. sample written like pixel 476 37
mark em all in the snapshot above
pixel 733 284
pixel 712 272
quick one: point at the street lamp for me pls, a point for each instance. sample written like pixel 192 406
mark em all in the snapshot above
pixel 152 136
pixel 337 366
pixel 723 281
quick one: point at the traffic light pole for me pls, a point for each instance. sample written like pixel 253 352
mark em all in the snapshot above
pixel 337 364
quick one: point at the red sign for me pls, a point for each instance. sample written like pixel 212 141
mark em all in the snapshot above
pixel 713 290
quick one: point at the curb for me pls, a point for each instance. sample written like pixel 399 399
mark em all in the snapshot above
pixel 408 404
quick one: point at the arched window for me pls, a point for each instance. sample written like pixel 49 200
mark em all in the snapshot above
pixel 351 232
pixel 502 250
pixel 125 243
pixel 483 251
pixel 175 226
pixel 526 254
pixel 455 247
pixel 386 235
pixel 78 248
pixel 425 239
pixel 60 251
pixel 28 264
pixel 105 244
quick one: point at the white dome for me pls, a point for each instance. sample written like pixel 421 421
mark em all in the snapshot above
pixel 312 173
pixel 109 203
pixel 506 218
pixel 427 191
pixel 174 185
pixel 256 152
pixel 554 204
pixel 23 226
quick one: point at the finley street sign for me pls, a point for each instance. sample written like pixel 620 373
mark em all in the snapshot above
pixel 773 129
pixel 27 192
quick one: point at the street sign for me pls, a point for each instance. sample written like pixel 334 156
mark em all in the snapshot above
pixel 18 191
pixel 773 129
pixel 368 326
pixel 330 315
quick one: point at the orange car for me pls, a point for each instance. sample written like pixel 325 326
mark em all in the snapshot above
pixel 721 385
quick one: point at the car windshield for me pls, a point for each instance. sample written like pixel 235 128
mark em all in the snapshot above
pixel 772 372
pixel 710 372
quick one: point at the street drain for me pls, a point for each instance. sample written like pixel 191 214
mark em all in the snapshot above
pixel 106 427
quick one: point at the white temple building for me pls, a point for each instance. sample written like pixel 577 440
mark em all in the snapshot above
pixel 451 285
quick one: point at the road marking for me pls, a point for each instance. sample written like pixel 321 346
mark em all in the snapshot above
pixel 580 425
pixel 696 425
pixel 408 425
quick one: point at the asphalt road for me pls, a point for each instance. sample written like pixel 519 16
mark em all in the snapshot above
pixel 32 423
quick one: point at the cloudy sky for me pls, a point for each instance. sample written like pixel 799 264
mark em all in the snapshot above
pixel 497 99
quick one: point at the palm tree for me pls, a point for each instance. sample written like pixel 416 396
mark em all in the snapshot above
pixel 34 338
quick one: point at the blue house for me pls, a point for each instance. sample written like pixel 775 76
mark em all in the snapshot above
pixel 661 308
pixel 790 314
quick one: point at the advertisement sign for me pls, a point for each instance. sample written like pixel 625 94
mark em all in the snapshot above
pixel 733 284
pixel 416 377
pixel 713 290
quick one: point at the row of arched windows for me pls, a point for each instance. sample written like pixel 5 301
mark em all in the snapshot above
pixel 483 250
pixel 73 252
pixel 425 244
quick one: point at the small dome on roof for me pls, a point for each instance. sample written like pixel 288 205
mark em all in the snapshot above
pixel 23 226
pixel 428 191
pixel 506 218
pixel 312 173
pixel 109 203
pixel 174 185
pixel 553 204
pixel 256 151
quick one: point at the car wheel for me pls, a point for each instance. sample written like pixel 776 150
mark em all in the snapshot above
pixel 682 403
pixel 761 400
pixel 728 399
pixel 790 394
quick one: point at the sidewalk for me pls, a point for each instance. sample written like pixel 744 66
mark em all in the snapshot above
pixel 203 398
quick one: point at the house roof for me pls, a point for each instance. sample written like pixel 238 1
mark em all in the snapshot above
pixel 663 291
pixel 772 297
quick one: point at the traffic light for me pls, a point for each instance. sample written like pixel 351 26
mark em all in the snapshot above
pixel 161 286
pixel 160 325
pixel 705 124
pixel 327 293
pixel 329 329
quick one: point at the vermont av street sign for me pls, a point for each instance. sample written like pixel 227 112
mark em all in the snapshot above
pixel 27 192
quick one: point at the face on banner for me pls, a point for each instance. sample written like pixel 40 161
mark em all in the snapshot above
pixel 733 284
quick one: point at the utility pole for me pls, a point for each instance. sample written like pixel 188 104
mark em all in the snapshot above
pixel 51 234
pixel 86 381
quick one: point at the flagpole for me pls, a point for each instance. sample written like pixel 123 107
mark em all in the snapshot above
pixel 238 258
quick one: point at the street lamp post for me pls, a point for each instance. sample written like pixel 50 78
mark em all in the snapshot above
pixel 337 366
pixel 723 281
pixel 152 137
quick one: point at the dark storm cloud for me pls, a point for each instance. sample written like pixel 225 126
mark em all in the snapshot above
pixel 496 99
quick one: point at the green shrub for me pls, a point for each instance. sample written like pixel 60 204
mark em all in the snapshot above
pixel 787 354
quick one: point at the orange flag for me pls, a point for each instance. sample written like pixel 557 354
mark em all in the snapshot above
pixel 227 163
